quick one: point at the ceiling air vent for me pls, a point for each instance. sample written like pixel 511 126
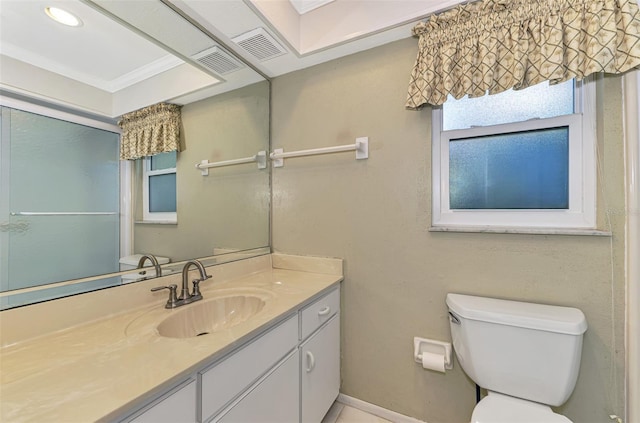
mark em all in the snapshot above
pixel 218 60
pixel 260 44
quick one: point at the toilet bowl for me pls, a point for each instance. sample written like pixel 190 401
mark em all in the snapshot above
pixel 499 408
pixel 526 355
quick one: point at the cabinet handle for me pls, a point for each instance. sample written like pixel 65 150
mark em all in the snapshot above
pixel 324 311
pixel 311 361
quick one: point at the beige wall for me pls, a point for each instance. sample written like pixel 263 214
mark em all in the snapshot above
pixel 375 214
pixel 229 209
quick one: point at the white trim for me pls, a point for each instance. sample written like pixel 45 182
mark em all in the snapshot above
pixel 582 201
pixel 333 413
pixel 525 231
pixel 376 410
pixel 58 114
pixel 306 6
pixel 143 73
pixel 126 208
pixel 631 85
pixel 5 175
pixel 155 217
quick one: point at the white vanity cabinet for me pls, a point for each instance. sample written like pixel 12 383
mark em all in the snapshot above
pixel 289 373
pixel 274 399
pixel 230 377
pixel 320 357
pixel 178 405
pixel 320 372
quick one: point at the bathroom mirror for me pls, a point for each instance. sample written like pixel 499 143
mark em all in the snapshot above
pixel 221 217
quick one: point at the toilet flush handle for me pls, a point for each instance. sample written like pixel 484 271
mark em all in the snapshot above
pixel 454 319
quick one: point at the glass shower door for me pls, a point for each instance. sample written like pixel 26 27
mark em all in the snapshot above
pixel 60 203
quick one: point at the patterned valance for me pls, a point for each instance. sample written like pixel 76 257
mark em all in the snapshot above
pixel 152 130
pixel 494 45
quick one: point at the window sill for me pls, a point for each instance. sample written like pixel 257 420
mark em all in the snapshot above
pixel 155 222
pixel 525 231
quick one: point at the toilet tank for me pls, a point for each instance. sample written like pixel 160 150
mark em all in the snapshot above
pixel 526 350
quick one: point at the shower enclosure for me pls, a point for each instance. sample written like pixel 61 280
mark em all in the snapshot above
pixel 59 205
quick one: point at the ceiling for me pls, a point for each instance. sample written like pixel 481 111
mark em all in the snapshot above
pixel 131 53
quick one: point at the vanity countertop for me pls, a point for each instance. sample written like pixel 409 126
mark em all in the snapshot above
pixel 99 369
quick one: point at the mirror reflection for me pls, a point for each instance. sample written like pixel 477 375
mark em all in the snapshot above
pixel 75 218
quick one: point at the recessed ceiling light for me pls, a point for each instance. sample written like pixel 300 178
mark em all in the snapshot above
pixel 62 16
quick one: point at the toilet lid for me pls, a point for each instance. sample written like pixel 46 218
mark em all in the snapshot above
pixel 498 408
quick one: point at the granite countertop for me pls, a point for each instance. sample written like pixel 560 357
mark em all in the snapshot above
pixel 98 370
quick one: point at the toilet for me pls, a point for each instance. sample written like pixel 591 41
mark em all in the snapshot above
pixel 527 356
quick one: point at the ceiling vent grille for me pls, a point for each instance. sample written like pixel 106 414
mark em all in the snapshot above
pixel 218 60
pixel 260 44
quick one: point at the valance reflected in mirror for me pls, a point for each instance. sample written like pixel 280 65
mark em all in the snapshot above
pixel 73 216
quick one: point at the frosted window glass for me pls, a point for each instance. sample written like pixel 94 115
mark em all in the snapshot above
pixel 162 193
pixel 523 170
pixel 64 247
pixel 58 166
pixel 57 292
pixel 539 101
pixel 163 161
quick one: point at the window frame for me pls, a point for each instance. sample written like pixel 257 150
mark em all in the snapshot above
pixel 147 173
pixel 581 213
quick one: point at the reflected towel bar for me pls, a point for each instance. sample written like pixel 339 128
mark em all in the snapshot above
pixel 63 213
pixel 260 158
pixel 361 148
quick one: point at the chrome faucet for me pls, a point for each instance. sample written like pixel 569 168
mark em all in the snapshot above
pixel 153 261
pixel 185 297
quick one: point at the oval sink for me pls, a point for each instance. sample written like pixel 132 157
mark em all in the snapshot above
pixel 210 316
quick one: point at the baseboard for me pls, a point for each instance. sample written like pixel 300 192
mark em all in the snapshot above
pixel 376 410
pixel 333 413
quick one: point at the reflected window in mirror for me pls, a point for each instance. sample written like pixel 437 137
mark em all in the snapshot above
pixel 159 188
pixel 223 119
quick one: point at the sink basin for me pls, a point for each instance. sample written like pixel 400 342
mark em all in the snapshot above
pixel 210 316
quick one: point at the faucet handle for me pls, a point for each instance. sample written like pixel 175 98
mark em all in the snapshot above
pixel 196 294
pixel 172 302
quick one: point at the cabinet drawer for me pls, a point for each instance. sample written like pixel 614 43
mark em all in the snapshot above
pixel 274 399
pixel 178 406
pixel 225 380
pixel 315 314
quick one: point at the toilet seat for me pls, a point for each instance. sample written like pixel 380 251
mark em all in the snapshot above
pixel 499 408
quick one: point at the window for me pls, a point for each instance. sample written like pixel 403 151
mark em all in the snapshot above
pixel 159 188
pixel 518 159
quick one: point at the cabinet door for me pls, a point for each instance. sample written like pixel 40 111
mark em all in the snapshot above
pixel 276 399
pixel 222 383
pixel 320 371
pixel 179 406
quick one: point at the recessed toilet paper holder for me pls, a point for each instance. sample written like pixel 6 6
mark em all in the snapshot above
pixel 422 345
